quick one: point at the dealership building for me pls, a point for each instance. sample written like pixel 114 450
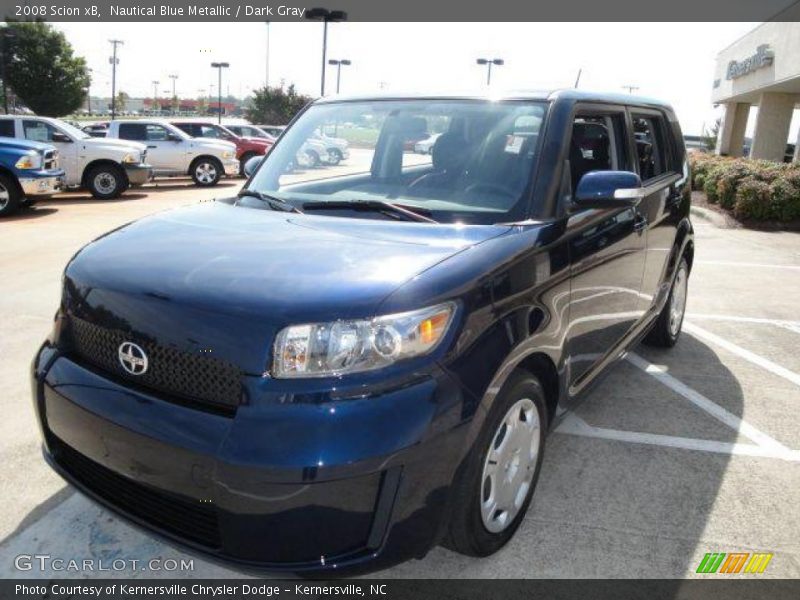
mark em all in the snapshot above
pixel 760 69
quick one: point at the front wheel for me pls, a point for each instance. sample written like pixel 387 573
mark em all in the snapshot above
pixel 106 182
pixel 206 172
pixel 334 157
pixel 10 196
pixel 667 328
pixel 495 484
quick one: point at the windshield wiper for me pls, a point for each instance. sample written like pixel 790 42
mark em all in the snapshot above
pixel 273 202
pixel 371 205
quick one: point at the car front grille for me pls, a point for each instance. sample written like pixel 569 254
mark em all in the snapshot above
pixel 173 514
pixel 50 159
pixel 205 381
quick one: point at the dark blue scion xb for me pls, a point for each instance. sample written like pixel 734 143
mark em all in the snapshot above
pixel 348 364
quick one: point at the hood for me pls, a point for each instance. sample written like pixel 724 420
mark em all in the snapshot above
pixel 209 144
pixel 24 145
pixel 254 141
pixel 229 278
pixel 114 144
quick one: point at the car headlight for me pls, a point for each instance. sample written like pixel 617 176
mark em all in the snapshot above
pixel 130 159
pixel 30 161
pixel 227 154
pixel 341 347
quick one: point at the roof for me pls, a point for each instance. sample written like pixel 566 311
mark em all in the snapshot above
pixel 568 94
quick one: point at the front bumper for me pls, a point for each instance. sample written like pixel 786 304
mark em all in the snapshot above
pixel 138 174
pixel 41 186
pixel 304 487
pixel 231 166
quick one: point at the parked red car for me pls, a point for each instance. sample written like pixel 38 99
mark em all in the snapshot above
pixel 246 147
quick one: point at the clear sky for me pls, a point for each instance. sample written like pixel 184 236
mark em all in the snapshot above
pixel 670 61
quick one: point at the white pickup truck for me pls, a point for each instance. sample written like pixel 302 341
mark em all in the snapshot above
pixel 172 152
pixel 105 167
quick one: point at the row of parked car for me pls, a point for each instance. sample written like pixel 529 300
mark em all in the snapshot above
pixel 40 156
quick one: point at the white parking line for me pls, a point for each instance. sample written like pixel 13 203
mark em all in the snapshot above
pixel 762 362
pixel 793 326
pixel 728 263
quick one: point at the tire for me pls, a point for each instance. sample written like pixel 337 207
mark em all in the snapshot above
pixel 334 157
pixel 245 157
pixel 10 196
pixel 313 157
pixel 477 525
pixel 667 328
pixel 106 182
pixel 206 172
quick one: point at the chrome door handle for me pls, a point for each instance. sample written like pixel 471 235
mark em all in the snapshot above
pixel 639 224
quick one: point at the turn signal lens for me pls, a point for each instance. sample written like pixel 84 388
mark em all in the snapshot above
pixel 341 347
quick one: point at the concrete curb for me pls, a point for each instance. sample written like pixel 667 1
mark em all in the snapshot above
pixel 711 216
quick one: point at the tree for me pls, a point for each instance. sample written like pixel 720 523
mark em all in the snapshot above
pixel 275 105
pixel 710 136
pixel 122 101
pixel 43 71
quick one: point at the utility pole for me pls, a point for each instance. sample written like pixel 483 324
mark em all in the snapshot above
pixel 174 80
pixel 630 88
pixel 155 95
pixel 578 78
pixel 114 62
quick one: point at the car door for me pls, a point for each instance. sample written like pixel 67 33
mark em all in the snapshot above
pixel 41 131
pixel 164 153
pixel 606 246
pixel 661 169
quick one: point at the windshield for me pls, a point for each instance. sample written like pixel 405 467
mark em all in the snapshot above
pixel 72 131
pixel 454 161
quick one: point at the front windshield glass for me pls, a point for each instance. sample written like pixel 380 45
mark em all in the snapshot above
pixel 467 161
pixel 72 131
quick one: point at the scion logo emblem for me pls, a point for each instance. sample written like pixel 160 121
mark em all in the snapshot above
pixel 132 358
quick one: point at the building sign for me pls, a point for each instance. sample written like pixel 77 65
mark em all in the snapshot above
pixel 762 58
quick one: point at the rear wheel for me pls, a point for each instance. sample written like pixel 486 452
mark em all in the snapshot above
pixel 106 182
pixel 313 158
pixel 667 328
pixel 10 196
pixel 334 156
pixel 495 484
pixel 206 172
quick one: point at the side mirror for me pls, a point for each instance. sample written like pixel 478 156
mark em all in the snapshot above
pixel 60 137
pixel 252 164
pixel 608 189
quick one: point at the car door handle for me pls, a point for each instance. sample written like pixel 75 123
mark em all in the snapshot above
pixel 639 224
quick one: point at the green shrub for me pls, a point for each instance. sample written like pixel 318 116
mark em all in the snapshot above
pixel 699 181
pixel 752 200
pixel 728 181
pixel 785 198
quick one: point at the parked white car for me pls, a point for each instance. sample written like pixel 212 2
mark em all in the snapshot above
pixel 426 146
pixel 173 153
pixel 105 167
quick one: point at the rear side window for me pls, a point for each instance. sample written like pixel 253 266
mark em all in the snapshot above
pixel 596 144
pixel 6 128
pixel 142 132
pixel 652 152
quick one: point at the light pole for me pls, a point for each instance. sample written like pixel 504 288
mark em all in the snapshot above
pixel 155 96
pixel 489 62
pixel 338 64
pixel 114 62
pixel 174 78
pixel 219 66
pixel 630 88
pixel 7 34
pixel 326 16
pixel 266 72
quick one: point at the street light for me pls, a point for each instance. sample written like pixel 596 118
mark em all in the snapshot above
pixel 338 64
pixel 266 74
pixel 630 88
pixel 174 78
pixel 114 62
pixel 219 66
pixel 7 34
pixel 155 96
pixel 326 16
pixel 489 62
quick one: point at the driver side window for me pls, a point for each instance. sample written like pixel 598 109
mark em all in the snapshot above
pixel 38 131
pixel 597 143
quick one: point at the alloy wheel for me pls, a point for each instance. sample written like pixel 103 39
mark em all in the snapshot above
pixel 206 172
pixel 510 465
pixel 105 183
pixel 677 304
pixel 5 197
